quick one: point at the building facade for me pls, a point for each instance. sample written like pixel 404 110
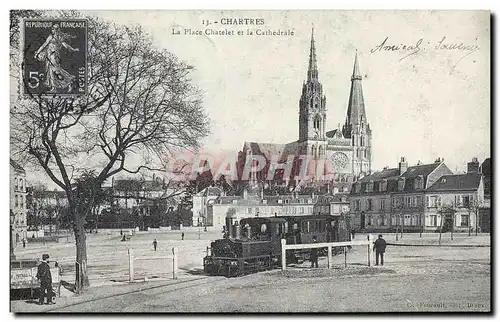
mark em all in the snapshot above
pixel 18 205
pixel 246 206
pixel 424 197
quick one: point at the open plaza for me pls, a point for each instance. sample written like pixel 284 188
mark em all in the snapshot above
pixel 452 277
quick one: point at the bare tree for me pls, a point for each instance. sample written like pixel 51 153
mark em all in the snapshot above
pixel 140 106
pixel 473 209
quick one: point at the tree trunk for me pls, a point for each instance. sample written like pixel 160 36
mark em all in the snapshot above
pixel 81 281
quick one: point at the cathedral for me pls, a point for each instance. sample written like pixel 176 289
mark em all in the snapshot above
pixel 347 149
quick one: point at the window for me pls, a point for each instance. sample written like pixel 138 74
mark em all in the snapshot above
pixel 356 205
pixel 21 184
pixel 364 153
pixel 264 202
pixel 369 219
pixel 17 201
pixel 362 140
pixel 382 204
pixel 465 201
pixel 394 202
pixel 280 201
pixel 21 201
pixel 464 221
pixel 369 186
pixel 407 220
pixel 432 220
pixel 263 228
pixel 235 201
pixel 301 210
pixel 368 204
pixel 419 182
pixel 16 184
pixel 358 187
pixel 414 220
pixel 309 201
pixel 383 185
pixel 287 201
pixel 401 184
pixel 418 201
pixel 249 210
pixel 407 202
pixel 357 153
pixel 314 226
pixel 412 202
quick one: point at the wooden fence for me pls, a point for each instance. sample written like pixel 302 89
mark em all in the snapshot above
pixel 368 242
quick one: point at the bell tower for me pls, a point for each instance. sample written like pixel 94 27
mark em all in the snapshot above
pixel 312 109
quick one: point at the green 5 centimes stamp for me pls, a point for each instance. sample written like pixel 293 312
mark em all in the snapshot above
pixel 55 57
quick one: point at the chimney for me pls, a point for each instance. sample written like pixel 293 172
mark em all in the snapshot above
pixel 438 160
pixel 473 166
pixel 403 165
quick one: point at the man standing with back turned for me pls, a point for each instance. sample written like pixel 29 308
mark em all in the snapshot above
pixel 45 278
pixel 379 249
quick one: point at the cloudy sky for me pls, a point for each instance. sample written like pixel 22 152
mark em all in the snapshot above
pixel 433 103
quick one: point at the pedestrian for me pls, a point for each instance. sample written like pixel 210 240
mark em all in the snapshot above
pixel 314 255
pixel 353 233
pixel 182 236
pixel 379 248
pixel 24 242
pixel 154 244
pixel 121 232
pixel 45 278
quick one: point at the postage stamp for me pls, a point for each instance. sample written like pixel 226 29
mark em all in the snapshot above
pixel 55 57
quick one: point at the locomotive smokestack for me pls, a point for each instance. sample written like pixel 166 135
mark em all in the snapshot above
pixel 237 231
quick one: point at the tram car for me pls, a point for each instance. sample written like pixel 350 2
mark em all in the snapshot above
pixel 254 244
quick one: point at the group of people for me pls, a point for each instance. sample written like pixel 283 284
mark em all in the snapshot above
pixel 379 247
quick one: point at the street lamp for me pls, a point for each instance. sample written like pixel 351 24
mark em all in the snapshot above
pixel 12 218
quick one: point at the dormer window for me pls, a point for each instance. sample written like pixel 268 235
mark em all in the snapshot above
pixel 383 185
pixel 419 182
pixel 369 186
pixel 401 184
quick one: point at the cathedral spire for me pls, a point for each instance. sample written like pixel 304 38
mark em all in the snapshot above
pixel 356 108
pixel 356 74
pixel 312 72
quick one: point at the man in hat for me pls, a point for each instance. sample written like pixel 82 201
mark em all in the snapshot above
pixel 155 243
pixel 379 249
pixel 45 278
pixel 314 255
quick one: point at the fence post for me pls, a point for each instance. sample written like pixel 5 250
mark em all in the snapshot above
pixel 330 257
pixel 369 250
pixel 283 254
pixel 345 256
pixel 130 265
pixel 174 263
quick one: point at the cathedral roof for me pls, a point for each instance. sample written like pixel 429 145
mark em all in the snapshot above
pixel 268 150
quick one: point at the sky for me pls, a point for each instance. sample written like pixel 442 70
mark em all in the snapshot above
pixel 432 103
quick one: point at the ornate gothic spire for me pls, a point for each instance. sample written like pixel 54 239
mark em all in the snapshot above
pixel 312 72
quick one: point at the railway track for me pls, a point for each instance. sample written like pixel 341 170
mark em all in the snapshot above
pixel 174 287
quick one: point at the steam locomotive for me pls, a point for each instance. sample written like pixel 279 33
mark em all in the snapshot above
pixel 254 244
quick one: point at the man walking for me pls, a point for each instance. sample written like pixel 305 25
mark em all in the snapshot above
pixel 182 236
pixel 45 278
pixel 314 255
pixel 154 244
pixel 379 249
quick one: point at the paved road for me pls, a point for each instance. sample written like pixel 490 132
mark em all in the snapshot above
pixel 274 292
